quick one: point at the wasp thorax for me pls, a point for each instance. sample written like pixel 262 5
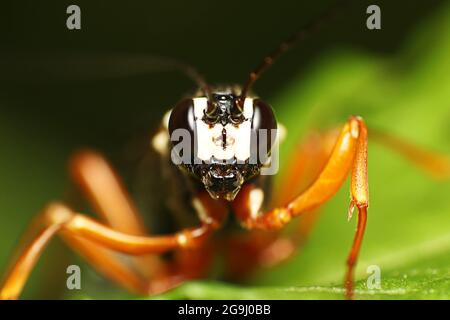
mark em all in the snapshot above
pixel 223 144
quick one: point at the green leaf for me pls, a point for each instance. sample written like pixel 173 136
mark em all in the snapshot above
pixel 420 280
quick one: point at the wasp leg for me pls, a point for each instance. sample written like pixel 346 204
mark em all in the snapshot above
pixel 304 165
pixel 212 213
pixel 247 252
pixel 349 155
pixel 303 168
pixel 104 190
pixel 123 232
pixel 37 238
pixel 58 219
pixel 436 165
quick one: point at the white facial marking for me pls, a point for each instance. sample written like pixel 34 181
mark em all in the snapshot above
pixel 256 198
pixel 210 139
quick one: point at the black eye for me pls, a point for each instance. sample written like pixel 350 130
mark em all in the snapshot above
pixel 263 121
pixel 263 117
pixel 181 124
pixel 182 117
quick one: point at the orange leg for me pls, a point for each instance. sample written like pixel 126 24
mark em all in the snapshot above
pixel 103 189
pixel 91 172
pixel 436 165
pixel 304 165
pixel 57 218
pixel 247 252
pixel 349 154
pixel 195 262
pixel 97 242
pixel 303 168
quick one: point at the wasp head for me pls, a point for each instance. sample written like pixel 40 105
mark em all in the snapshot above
pixel 224 140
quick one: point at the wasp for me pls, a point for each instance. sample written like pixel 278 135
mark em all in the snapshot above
pixel 216 178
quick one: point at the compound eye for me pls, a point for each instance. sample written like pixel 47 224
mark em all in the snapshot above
pixel 182 130
pixel 263 117
pixel 182 117
pixel 263 122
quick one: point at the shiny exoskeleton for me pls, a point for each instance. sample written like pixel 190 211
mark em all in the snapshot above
pixel 226 143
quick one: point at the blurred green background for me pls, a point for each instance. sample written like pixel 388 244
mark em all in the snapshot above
pixel 397 78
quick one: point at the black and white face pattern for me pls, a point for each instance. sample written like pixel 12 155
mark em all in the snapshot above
pixel 222 139
pixel 227 145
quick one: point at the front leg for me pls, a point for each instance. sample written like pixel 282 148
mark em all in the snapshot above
pixel 349 155
pixel 249 251
pixel 59 219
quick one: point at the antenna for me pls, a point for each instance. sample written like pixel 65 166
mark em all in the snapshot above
pixel 192 73
pixel 306 31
